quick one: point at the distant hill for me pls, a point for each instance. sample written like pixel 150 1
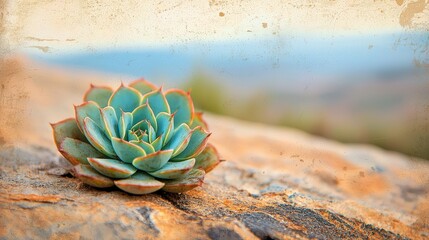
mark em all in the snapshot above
pixel 256 62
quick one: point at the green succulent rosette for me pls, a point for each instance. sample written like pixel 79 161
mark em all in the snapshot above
pixel 137 138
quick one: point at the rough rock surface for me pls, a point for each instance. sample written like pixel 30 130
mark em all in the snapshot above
pixel 277 183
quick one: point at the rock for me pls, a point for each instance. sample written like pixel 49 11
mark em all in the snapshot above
pixel 276 183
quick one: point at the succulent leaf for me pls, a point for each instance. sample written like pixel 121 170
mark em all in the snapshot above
pixel 112 168
pixel 97 137
pixel 143 86
pixel 153 161
pixel 144 131
pixel 180 139
pixel 208 159
pixel 144 136
pixel 88 109
pixel 127 151
pixel 144 112
pixel 110 121
pixel 148 148
pixel 193 179
pixel 198 121
pixel 100 95
pixel 142 125
pixel 139 183
pixel 173 170
pixel 132 136
pixel 66 128
pixel 91 177
pixel 180 103
pixel 151 134
pixel 165 126
pixel 125 123
pixel 156 101
pixel 157 143
pixel 125 99
pixel 196 144
pixel 77 151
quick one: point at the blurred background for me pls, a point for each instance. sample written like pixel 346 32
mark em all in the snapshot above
pixel 353 71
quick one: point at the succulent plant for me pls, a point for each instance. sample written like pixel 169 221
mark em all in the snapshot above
pixel 137 138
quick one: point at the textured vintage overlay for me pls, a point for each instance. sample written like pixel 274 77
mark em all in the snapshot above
pixel 277 183
pixel 52 25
